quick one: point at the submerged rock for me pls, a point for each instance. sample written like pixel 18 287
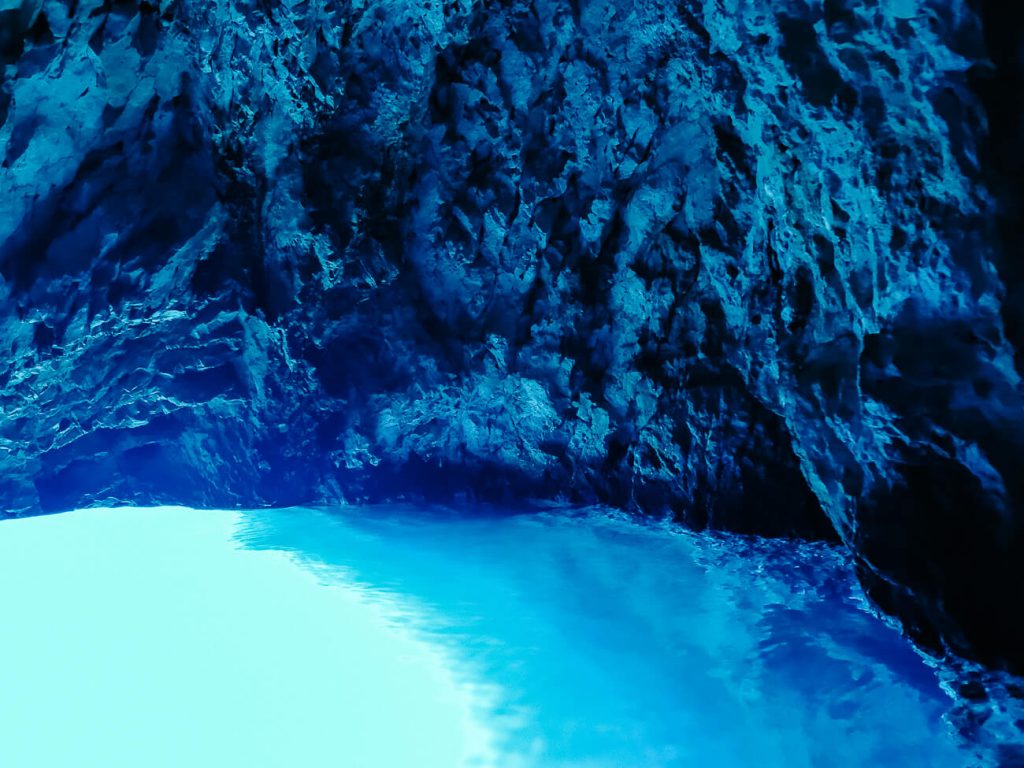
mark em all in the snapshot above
pixel 744 263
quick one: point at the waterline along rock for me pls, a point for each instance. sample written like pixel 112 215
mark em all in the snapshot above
pixel 756 265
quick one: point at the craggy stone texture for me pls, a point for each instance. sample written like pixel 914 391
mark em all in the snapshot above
pixel 743 262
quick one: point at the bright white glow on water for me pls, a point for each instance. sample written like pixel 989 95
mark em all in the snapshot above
pixel 144 638
pixel 395 637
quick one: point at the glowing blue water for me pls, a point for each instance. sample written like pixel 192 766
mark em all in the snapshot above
pixel 397 636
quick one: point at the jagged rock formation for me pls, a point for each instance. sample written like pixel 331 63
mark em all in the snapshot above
pixel 741 262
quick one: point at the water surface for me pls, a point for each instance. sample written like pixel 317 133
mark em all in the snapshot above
pixel 400 636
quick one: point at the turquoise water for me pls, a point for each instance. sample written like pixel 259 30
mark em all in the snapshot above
pixel 415 637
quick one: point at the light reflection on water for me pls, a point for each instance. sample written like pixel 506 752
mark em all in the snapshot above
pixel 618 644
pixel 402 636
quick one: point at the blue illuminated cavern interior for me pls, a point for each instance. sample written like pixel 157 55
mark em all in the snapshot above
pixel 598 383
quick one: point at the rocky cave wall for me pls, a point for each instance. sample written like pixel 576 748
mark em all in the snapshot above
pixel 750 264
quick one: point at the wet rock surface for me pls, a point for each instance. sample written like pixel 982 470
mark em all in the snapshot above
pixel 755 266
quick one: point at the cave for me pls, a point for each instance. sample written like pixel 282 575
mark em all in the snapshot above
pixel 731 285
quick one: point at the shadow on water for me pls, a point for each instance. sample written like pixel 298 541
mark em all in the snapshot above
pixel 605 642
